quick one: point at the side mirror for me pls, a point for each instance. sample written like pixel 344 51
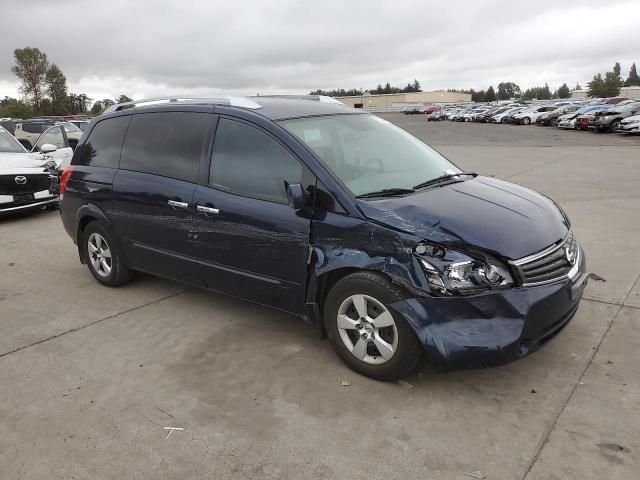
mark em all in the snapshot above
pixel 296 196
pixel 47 148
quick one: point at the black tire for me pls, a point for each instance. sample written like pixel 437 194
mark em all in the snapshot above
pixel 119 273
pixel 408 350
pixel 526 121
pixel 554 122
pixel 614 126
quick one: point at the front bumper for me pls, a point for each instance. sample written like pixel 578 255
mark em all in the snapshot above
pixel 493 328
pixel 629 128
pixel 8 204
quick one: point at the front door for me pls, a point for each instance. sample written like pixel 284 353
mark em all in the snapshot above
pixel 250 242
pixel 56 136
pixel 153 190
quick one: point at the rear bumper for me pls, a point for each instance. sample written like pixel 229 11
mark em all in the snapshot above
pixel 494 328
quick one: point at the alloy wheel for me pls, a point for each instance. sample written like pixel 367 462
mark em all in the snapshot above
pixel 367 329
pixel 99 254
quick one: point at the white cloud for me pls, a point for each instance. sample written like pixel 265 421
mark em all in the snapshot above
pixel 148 48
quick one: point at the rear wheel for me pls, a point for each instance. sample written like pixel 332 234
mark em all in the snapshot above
pixel 526 121
pixel 365 333
pixel 614 126
pixel 554 122
pixel 104 260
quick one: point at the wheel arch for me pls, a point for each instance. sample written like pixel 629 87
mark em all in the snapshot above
pixel 87 214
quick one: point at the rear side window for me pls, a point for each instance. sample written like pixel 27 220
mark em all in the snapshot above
pixel 170 144
pixel 35 127
pixel 248 162
pixel 103 147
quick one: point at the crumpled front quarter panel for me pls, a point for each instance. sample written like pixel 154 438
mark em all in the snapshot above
pixel 340 241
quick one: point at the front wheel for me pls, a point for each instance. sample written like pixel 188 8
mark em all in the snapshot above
pixel 365 333
pixel 526 121
pixel 614 126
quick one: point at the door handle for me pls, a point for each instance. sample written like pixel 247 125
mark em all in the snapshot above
pixel 176 204
pixel 206 210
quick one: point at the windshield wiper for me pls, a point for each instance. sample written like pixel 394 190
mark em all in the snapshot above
pixel 444 178
pixel 386 192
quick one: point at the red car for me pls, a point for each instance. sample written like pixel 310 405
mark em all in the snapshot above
pixel 583 122
pixel 615 100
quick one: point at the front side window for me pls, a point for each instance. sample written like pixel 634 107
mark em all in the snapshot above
pixel 70 128
pixel 369 154
pixel 53 136
pixel 103 147
pixel 249 162
pixel 9 144
pixel 170 144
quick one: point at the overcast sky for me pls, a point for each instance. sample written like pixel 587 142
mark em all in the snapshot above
pixel 146 48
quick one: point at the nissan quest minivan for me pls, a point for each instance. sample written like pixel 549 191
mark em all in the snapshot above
pixel 331 214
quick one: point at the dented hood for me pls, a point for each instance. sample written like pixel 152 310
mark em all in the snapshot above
pixel 21 160
pixel 490 214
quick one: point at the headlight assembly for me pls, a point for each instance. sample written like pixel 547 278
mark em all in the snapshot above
pixel 450 272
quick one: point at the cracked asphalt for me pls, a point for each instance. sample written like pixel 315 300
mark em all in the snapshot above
pixel 91 376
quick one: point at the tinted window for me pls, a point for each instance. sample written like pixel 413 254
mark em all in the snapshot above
pixel 248 162
pixel 103 147
pixel 35 127
pixel 53 136
pixel 168 144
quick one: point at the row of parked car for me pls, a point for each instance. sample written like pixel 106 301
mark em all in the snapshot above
pixel 617 114
pixel 32 155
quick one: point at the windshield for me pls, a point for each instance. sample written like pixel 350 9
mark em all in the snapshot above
pixel 369 154
pixel 8 143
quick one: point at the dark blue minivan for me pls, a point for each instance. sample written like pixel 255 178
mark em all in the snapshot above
pixel 329 213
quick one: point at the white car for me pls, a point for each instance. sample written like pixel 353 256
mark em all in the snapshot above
pixel 567 121
pixel 630 125
pixel 28 181
pixel 531 115
pixel 500 117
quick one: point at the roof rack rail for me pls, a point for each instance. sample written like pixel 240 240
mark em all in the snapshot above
pixel 317 98
pixel 219 100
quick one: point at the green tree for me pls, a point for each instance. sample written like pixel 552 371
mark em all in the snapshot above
pixel 31 69
pixel 97 108
pixel 596 87
pixel 617 70
pixel 13 108
pixel 508 90
pixel 563 91
pixel 125 99
pixel 612 83
pixel 578 87
pixel 416 86
pixel 479 96
pixel 491 94
pixel 79 103
pixel 633 79
pixel 57 90
pixel 609 86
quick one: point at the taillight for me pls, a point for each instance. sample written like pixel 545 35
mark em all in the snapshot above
pixel 64 179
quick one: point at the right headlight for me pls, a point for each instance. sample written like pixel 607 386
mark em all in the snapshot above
pixel 451 272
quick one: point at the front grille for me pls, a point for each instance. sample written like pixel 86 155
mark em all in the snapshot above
pixel 549 265
pixel 34 183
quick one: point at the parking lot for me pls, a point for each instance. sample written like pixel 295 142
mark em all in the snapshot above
pixel 91 378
